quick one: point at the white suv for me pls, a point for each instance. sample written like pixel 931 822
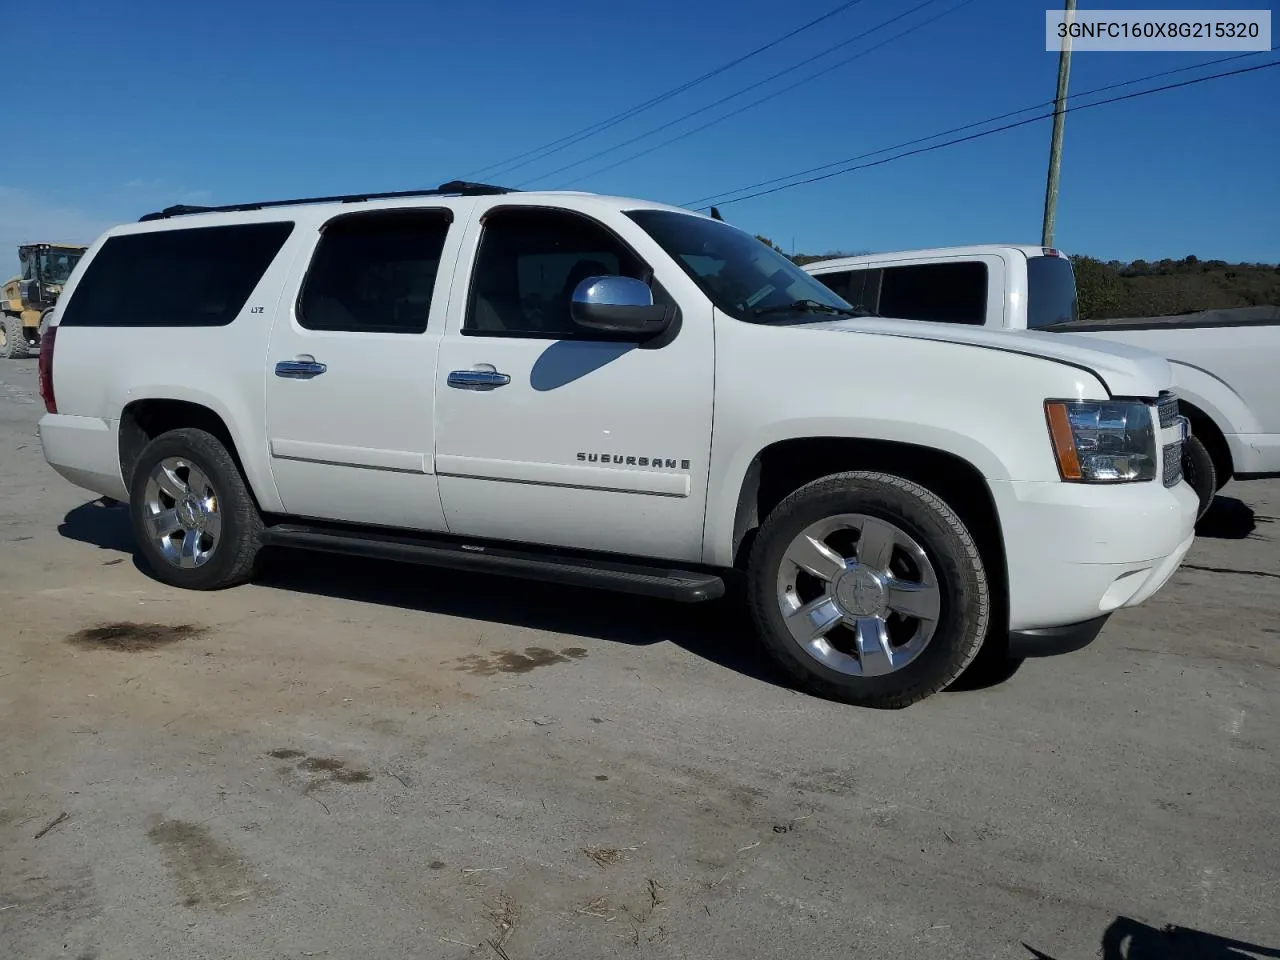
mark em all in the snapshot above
pixel 619 394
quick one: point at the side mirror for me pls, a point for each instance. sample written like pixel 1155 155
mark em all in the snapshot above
pixel 620 305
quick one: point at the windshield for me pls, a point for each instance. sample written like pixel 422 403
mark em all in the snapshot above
pixel 1051 292
pixel 742 276
pixel 56 265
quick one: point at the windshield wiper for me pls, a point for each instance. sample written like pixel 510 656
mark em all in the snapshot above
pixel 805 306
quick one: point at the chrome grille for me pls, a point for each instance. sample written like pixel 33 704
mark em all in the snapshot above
pixel 1167 407
pixel 1173 463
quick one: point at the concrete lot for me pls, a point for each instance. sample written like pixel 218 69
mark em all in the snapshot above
pixel 353 759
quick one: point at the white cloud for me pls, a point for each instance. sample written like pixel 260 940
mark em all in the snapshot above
pixel 26 218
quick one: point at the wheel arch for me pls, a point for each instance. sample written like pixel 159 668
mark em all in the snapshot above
pixel 786 465
pixel 143 420
pixel 1206 428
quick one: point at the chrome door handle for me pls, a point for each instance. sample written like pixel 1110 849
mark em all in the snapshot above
pixel 300 369
pixel 477 379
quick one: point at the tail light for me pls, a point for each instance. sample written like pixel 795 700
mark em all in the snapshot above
pixel 46 369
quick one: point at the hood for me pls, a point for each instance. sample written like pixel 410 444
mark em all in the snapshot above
pixel 1126 371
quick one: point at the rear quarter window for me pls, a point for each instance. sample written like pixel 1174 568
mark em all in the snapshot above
pixel 198 277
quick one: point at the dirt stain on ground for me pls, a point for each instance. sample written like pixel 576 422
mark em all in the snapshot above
pixel 323 769
pixel 133 637
pixel 514 661
pixel 208 873
pixel 334 771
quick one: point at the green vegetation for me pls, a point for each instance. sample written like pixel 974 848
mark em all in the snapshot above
pixel 1169 287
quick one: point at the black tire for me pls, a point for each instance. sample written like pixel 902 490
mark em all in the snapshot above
pixel 235 554
pixel 965 608
pixel 1199 472
pixel 14 346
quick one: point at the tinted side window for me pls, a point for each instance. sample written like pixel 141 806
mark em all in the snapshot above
pixel 1051 292
pixel 199 277
pixel 528 265
pixel 837 281
pixel 860 288
pixel 374 272
pixel 946 292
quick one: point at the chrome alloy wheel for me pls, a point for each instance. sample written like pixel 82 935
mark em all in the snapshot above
pixel 180 508
pixel 858 594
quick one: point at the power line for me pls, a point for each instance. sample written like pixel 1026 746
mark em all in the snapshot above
pixel 555 146
pixel 718 197
pixel 770 96
pixel 732 96
pixel 987 133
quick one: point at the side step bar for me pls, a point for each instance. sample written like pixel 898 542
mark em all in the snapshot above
pixel 669 584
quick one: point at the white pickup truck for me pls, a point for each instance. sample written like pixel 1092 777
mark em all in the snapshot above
pixel 618 394
pixel 1224 362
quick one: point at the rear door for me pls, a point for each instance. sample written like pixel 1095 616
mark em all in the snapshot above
pixel 351 368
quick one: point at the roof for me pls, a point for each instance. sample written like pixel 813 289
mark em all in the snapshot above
pixel 53 246
pixel 936 253
pixel 454 188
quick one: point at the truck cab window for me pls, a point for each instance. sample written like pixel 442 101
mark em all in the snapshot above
pixel 943 292
pixel 529 263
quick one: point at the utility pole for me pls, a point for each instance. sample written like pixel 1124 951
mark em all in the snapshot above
pixel 1055 146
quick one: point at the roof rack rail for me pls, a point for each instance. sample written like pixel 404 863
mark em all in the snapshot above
pixel 462 188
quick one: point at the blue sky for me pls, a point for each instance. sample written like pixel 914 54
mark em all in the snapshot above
pixel 241 101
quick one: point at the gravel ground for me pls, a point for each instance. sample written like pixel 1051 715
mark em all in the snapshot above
pixel 355 759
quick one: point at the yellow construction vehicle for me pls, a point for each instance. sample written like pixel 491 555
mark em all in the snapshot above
pixel 26 301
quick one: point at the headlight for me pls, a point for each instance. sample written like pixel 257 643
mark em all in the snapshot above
pixel 1102 441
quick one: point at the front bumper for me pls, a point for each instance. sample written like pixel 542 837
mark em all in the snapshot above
pixel 1079 552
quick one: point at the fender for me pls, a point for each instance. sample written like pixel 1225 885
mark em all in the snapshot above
pixel 723 500
pixel 234 413
pixel 1215 398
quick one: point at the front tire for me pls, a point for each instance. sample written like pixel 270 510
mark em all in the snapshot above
pixel 869 589
pixel 193 517
pixel 1199 472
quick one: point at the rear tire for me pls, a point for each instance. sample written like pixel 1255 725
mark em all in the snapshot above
pixel 914 569
pixel 13 339
pixel 1199 472
pixel 192 514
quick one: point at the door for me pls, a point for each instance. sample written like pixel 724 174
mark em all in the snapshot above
pixel 549 435
pixel 351 368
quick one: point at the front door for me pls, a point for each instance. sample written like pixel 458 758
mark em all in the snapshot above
pixel 545 435
pixel 351 368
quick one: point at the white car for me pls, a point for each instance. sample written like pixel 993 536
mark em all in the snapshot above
pixel 619 394
pixel 1224 361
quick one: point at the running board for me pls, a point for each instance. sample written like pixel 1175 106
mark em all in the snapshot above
pixel 685 586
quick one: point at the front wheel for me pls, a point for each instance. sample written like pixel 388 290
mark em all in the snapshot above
pixel 868 588
pixel 193 517
pixel 1199 472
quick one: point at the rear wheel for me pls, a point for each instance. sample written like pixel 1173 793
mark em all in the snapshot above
pixel 13 339
pixel 192 514
pixel 868 588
